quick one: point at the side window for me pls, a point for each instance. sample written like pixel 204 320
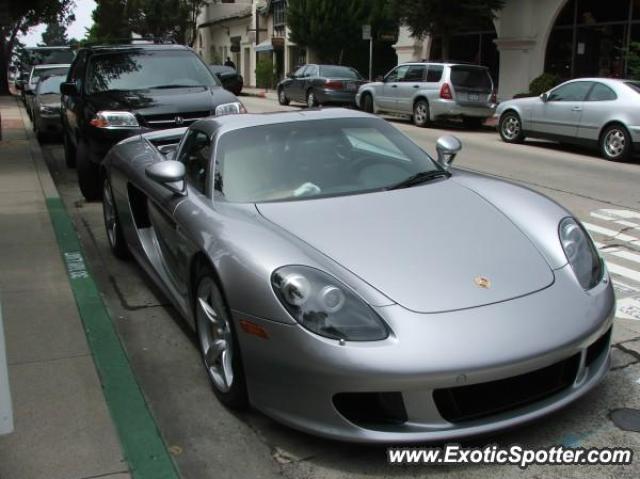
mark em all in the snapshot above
pixel 195 154
pixel 602 92
pixel 299 71
pixel 415 73
pixel 311 71
pixel 434 74
pixel 574 91
pixel 398 74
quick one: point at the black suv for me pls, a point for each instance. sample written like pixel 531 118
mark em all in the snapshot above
pixel 116 91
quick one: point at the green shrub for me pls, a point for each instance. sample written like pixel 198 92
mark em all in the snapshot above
pixel 543 83
pixel 265 78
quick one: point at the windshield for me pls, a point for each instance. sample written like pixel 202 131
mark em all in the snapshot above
pixel 143 70
pixel 45 72
pixel 329 71
pixel 470 77
pixel 634 85
pixel 315 158
pixel 50 84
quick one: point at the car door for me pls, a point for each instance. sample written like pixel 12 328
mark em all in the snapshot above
pixel 599 104
pixel 173 245
pixel 292 88
pixel 386 98
pixel 308 78
pixel 408 86
pixel 560 113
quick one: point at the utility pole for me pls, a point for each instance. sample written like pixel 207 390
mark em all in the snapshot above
pixel 366 35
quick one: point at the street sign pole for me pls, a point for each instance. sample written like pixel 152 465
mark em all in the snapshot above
pixel 366 35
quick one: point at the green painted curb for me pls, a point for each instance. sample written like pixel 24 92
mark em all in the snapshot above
pixel 142 444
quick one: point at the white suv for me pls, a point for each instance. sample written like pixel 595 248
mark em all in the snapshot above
pixel 429 91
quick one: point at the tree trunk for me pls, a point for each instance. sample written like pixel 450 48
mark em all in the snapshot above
pixel 446 44
pixel 6 51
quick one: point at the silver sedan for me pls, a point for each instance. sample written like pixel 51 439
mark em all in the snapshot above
pixel 598 112
pixel 345 283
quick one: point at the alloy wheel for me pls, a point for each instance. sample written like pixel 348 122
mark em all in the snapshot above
pixel 109 211
pixel 614 143
pixel 511 127
pixel 420 113
pixel 311 100
pixel 216 337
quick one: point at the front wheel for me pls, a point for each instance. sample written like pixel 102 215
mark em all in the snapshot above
pixel 616 144
pixel 88 174
pixel 112 224
pixel 367 103
pixel 511 128
pixel 312 101
pixel 218 343
pixel 421 113
pixel 282 97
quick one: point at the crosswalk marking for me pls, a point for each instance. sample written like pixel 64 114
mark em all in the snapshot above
pixel 616 234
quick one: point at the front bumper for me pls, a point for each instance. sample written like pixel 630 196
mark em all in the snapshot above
pixel 294 376
pixel 451 109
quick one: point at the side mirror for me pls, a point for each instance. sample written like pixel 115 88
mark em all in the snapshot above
pixel 447 147
pixel 290 75
pixel 170 174
pixel 68 88
pixel 544 97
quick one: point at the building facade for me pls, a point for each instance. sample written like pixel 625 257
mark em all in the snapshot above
pixel 249 32
pixel 569 38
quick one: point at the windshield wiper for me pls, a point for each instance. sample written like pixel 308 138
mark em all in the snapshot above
pixel 419 178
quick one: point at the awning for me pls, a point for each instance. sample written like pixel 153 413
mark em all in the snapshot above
pixel 265 46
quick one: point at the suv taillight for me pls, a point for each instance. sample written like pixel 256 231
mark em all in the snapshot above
pixel 445 92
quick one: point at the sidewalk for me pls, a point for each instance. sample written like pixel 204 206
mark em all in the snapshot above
pixel 62 426
pixel 259 93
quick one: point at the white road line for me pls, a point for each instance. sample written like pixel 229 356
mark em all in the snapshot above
pixel 625 214
pixel 620 253
pixel 622 271
pixel 626 223
pixel 611 233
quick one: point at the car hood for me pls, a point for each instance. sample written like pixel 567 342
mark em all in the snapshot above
pixel 50 99
pixel 432 248
pixel 161 102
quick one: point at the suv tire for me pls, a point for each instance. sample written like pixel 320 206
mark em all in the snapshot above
pixel 421 113
pixel 88 174
pixel 367 103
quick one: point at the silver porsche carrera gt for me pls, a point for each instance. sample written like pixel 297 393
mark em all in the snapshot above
pixel 345 283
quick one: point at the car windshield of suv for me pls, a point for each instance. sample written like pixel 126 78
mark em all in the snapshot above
pixel 144 70
pixel 330 71
pixel 50 84
pixel 470 77
pixel 315 159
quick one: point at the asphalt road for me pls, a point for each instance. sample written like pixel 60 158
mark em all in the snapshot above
pixel 208 441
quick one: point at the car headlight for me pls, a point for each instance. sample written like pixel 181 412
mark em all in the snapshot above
pixel 49 110
pixel 581 253
pixel 230 108
pixel 114 119
pixel 325 306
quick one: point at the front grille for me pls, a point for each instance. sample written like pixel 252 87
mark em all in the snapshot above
pixel 598 347
pixel 371 409
pixel 466 403
pixel 168 120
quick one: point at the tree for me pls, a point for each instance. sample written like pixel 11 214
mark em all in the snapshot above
pixel 110 21
pixel 55 35
pixel 327 26
pixel 445 17
pixel 21 16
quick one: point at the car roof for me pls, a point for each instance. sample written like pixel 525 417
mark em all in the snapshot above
pixel 51 65
pixel 136 46
pixel 446 64
pixel 223 124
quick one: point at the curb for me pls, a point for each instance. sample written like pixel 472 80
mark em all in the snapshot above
pixel 142 444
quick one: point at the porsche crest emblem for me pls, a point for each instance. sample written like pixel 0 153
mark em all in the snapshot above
pixel 482 282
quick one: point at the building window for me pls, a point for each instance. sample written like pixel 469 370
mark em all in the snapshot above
pixel 595 38
pixel 279 8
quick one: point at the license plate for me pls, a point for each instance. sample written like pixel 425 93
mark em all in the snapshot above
pixel 474 97
pixel 352 86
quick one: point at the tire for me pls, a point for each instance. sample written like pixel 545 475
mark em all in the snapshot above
pixel 312 101
pixel 367 103
pixel 510 128
pixel 616 143
pixel 112 224
pixel 218 341
pixel 421 116
pixel 282 97
pixel 88 174
pixel 69 152
pixel 472 123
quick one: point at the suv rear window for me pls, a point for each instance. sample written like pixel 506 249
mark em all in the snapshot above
pixel 143 70
pixel 470 77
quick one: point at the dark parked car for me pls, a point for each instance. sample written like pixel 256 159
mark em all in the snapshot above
pixel 231 80
pixel 115 91
pixel 46 107
pixel 318 85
